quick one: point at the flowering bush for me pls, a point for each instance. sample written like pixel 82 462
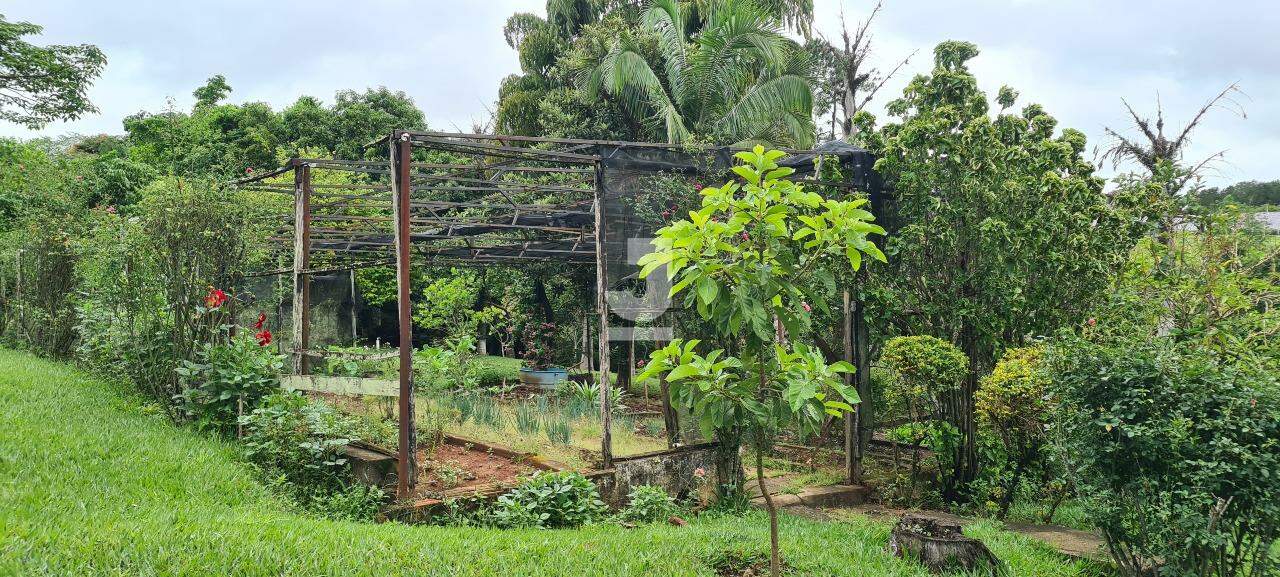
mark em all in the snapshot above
pixel 226 380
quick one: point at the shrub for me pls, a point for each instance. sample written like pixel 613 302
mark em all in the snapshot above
pixel 299 441
pixel 923 376
pixel 1013 407
pixel 227 379
pixel 354 502
pixel 550 501
pixel 1176 449
pixel 492 372
pixel 587 395
pixel 649 504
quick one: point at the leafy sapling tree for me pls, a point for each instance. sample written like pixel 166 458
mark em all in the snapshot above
pixel 746 261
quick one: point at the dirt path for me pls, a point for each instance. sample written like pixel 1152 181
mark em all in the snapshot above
pixel 1070 542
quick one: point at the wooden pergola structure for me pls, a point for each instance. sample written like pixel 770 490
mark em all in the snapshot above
pixel 493 200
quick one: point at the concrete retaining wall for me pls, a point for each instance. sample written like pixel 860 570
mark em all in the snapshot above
pixel 684 472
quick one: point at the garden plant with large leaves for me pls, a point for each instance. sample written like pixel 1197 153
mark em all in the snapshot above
pixel 744 261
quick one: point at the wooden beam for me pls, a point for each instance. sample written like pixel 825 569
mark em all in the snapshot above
pixel 401 154
pixel 301 262
pixel 341 385
pixel 602 287
pixel 852 458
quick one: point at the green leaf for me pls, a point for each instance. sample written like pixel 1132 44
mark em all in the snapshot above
pixel 708 289
pixel 855 257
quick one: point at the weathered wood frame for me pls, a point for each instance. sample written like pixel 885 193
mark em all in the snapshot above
pixel 443 232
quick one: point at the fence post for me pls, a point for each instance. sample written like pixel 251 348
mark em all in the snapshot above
pixel 401 187
pixel 301 261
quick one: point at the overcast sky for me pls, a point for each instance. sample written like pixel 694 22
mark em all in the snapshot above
pixel 1078 58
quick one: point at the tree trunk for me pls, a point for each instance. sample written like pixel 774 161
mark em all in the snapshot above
pixel 941 547
pixel 775 561
pixel 729 477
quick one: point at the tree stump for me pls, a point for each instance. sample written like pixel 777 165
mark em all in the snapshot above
pixel 941 546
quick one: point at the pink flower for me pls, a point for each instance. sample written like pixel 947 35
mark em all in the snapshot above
pixel 1091 322
pixel 700 473
pixel 746 237
pixel 248 170
pixel 807 308
pixel 111 210
pixel 640 364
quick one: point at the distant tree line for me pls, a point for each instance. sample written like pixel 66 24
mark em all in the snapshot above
pixel 1247 193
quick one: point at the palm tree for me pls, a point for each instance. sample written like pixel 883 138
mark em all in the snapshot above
pixel 734 79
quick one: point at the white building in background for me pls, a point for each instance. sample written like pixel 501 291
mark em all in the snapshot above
pixel 1270 219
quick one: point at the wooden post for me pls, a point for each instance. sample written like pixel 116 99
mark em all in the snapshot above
pixel 585 362
pixel 602 286
pixel 865 412
pixel 670 419
pixel 355 337
pixel 301 261
pixel 401 154
pixel 852 458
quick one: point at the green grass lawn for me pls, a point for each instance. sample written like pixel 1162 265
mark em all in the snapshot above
pixel 91 483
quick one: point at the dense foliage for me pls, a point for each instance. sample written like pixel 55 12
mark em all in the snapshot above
pixel 227 380
pixel 550 501
pixel 746 261
pixel 649 504
pixel 1014 407
pixel 720 71
pixel 998 228
pixel 1177 449
pixel 297 444
pixel 43 83
pixel 922 374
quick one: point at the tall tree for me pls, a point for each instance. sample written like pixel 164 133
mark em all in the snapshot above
pixel 215 90
pixel 998 230
pixel 736 79
pixel 848 81
pixel 39 84
pixel 1162 155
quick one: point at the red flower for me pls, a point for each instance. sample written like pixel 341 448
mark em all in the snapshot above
pixel 262 318
pixel 215 298
pixel 1091 322
pixel 263 336
pixel 746 237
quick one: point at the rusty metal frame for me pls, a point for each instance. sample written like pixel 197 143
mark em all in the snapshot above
pixel 468 200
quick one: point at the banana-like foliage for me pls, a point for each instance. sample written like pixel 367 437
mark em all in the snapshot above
pixel 726 73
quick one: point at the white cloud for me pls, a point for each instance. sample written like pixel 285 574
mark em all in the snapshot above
pixel 1077 58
